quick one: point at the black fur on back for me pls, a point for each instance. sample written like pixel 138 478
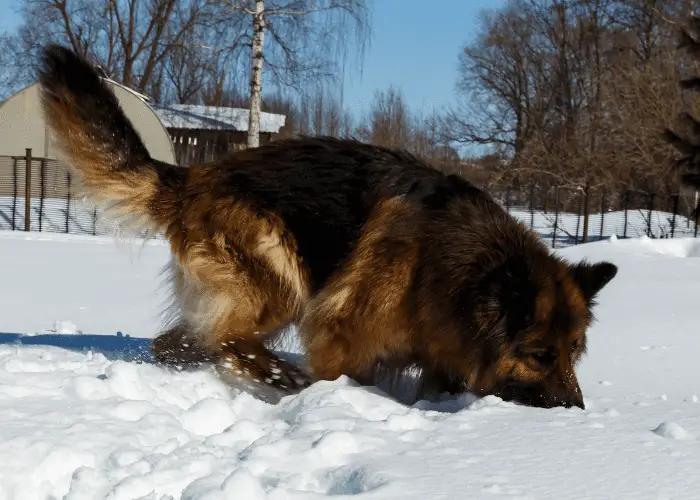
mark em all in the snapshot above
pixel 325 189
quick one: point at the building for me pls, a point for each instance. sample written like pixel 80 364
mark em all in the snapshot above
pixel 176 134
pixel 202 133
pixel 22 124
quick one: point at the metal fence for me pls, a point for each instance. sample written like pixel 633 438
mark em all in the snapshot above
pixel 562 216
pixel 573 216
pixel 39 194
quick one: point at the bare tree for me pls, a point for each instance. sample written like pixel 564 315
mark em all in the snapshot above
pixel 573 93
pixel 391 123
pixel 308 40
pixel 132 40
pixel 389 120
pixel 503 83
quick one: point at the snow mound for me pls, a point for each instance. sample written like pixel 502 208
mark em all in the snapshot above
pixel 671 430
pixel 65 327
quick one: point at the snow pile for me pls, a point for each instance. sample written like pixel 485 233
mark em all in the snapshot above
pixel 60 326
pixel 81 423
pixel 671 430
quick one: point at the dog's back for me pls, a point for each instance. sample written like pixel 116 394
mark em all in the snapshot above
pixel 323 188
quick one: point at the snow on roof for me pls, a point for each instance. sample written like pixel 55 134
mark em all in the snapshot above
pixel 191 116
pixel 143 97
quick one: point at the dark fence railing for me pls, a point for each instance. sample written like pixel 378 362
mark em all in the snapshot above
pixel 38 194
pixel 572 216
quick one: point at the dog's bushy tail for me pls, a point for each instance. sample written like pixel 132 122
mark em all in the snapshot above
pixel 100 143
pixel 688 164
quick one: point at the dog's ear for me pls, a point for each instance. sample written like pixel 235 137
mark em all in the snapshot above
pixel 511 289
pixel 591 278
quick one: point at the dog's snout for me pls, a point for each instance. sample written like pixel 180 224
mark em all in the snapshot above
pixel 538 396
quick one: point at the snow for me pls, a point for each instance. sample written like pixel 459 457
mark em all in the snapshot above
pixel 90 283
pixel 86 416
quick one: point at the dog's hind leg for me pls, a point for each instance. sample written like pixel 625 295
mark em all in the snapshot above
pixel 245 357
pixel 240 351
pixel 235 302
pixel 178 346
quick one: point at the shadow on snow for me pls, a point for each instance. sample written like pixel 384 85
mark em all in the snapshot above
pixel 113 347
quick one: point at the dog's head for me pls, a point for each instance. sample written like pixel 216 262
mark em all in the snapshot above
pixel 538 314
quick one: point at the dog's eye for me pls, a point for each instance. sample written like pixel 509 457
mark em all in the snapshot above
pixel 543 357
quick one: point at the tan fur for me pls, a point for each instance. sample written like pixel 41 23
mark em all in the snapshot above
pixel 285 262
pixel 122 193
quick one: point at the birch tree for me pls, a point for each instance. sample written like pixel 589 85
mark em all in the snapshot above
pixel 308 40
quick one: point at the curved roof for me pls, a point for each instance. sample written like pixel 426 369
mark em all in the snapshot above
pixel 22 125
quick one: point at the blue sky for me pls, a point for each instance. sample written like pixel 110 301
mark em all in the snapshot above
pixel 414 46
pixel 8 19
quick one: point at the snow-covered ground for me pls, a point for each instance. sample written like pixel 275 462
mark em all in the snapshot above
pixel 84 418
pixel 97 283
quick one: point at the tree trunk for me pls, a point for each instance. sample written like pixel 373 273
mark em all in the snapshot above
pixel 256 74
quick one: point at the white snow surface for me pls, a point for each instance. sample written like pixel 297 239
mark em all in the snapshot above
pixel 83 418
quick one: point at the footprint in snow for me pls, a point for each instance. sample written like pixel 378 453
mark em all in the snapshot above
pixel 353 481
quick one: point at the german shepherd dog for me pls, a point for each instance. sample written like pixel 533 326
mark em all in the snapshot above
pixel 380 260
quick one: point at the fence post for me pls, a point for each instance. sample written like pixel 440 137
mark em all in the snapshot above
pixel 675 211
pixel 627 204
pixel 556 215
pixel 651 209
pixel 586 212
pixel 532 206
pixel 578 218
pixel 42 173
pixel 602 214
pixel 68 203
pixel 14 193
pixel 28 189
